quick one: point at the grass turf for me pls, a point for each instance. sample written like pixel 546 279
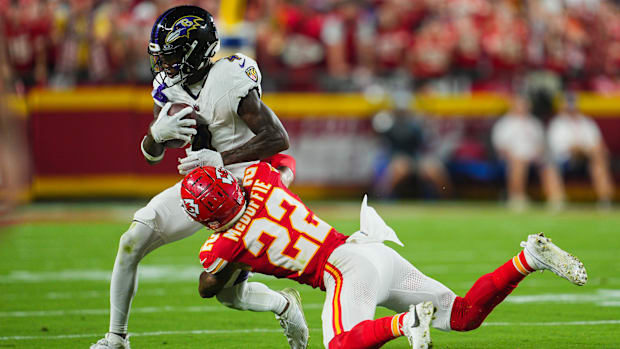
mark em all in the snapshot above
pixel 54 280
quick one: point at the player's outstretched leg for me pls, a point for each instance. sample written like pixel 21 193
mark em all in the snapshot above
pixel 416 325
pixel 491 289
pixel 542 254
pixel 293 321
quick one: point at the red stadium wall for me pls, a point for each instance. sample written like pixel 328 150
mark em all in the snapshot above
pixel 86 142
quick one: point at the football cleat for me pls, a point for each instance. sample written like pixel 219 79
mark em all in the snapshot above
pixel 111 341
pixel 416 325
pixel 293 320
pixel 546 255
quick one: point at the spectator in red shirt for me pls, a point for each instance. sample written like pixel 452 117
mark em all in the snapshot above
pixel 348 33
pixel 27 30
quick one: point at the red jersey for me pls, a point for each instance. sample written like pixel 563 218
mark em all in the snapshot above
pixel 277 234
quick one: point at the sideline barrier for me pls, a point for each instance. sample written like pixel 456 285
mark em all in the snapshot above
pixel 302 105
pixel 85 142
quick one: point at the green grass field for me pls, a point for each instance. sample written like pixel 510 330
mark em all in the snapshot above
pixel 56 264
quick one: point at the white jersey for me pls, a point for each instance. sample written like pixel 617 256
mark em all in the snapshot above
pixel 568 132
pixel 521 136
pixel 230 79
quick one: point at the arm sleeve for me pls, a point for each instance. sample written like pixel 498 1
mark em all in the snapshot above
pixel 279 159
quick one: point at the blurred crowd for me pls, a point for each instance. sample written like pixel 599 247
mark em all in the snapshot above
pixel 327 45
pixel 426 156
pixel 61 43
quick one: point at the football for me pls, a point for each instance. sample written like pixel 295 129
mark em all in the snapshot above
pixel 175 108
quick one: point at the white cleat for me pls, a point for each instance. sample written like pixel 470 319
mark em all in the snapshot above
pixel 546 255
pixel 111 341
pixel 293 320
pixel 416 325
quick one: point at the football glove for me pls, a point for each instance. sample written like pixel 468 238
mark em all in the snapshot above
pixel 202 157
pixel 168 127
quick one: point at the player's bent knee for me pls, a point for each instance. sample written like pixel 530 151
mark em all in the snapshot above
pixel 231 297
pixel 133 242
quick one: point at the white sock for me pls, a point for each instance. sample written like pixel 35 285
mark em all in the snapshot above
pixel 123 287
pixel 252 296
pixel 134 244
pixel 531 261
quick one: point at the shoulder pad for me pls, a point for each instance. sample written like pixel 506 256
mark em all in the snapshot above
pixel 239 72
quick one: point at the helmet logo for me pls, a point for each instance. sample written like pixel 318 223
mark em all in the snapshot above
pixel 191 207
pixel 183 26
pixel 224 175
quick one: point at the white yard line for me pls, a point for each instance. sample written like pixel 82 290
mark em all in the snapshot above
pixel 603 298
pixel 158 333
pixel 147 273
pixel 269 330
pixel 142 310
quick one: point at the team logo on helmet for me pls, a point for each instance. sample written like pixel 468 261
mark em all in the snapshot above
pixel 252 74
pixel 183 26
pixel 224 175
pixel 191 207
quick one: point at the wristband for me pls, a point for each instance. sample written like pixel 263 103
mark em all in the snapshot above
pixel 148 156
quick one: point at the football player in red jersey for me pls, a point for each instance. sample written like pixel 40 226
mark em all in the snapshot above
pixel 264 227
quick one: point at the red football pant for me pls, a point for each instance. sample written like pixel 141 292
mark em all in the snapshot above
pixel 369 334
pixel 488 291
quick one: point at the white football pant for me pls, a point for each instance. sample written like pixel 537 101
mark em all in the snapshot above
pixel 160 222
pixel 361 276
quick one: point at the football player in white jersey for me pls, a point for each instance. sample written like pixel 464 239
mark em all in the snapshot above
pixel 234 128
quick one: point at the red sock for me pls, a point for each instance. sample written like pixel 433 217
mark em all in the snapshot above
pixel 369 333
pixel 487 292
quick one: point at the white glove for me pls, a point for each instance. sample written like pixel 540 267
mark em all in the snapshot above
pixel 168 127
pixel 202 157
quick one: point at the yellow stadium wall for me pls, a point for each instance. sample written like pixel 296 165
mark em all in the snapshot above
pixel 85 142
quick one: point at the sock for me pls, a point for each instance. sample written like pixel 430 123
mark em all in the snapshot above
pixel 526 259
pixel 488 291
pixel 370 333
pixel 123 287
pixel 134 244
pixel 522 264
